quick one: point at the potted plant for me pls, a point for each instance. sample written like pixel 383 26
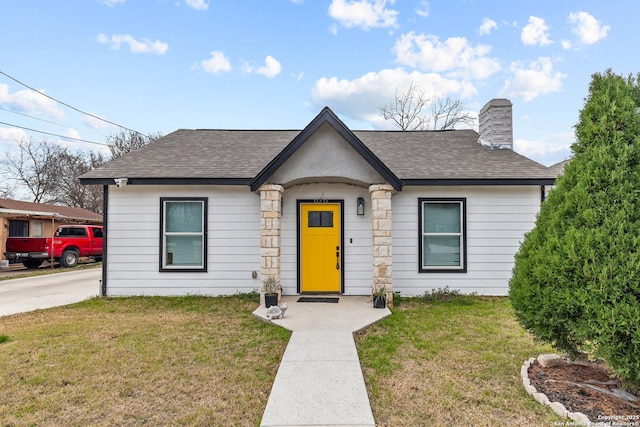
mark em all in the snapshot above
pixel 379 296
pixel 271 288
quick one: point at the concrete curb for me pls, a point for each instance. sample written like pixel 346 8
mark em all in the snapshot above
pixel 578 417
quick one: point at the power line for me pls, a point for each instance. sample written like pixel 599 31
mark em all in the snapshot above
pixel 43 120
pixel 55 134
pixel 67 105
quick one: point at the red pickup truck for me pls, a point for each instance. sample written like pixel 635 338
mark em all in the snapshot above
pixel 70 242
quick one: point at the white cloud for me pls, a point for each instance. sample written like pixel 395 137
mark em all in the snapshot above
pixel 361 97
pixel 423 9
pixel 12 134
pixel 271 67
pixel 30 102
pixel 217 63
pixel 364 14
pixel 135 46
pixel 535 32
pixel 588 29
pixel 72 133
pixel 111 2
pixel 566 44
pixel 486 26
pixel 455 55
pixel 536 79
pixel 549 150
pixel 197 4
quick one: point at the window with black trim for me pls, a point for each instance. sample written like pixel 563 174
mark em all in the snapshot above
pixel 442 235
pixel 183 234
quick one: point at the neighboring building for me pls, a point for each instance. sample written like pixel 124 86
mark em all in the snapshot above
pixel 556 170
pixel 324 210
pixel 26 219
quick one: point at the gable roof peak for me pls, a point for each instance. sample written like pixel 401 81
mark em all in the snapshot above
pixel 326 116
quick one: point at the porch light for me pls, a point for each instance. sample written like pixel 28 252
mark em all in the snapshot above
pixel 360 206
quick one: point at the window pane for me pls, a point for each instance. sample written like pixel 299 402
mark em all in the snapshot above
pixel 441 218
pixel 183 217
pixel 441 251
pixel 18 228
pixel 184 251
pixel 320 219
pixel 36 229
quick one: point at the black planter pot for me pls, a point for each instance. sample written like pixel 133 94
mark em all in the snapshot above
pixel 379 301
pixel 270 300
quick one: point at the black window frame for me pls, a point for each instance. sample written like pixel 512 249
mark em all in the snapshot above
pixel 205 222
pixel 462 201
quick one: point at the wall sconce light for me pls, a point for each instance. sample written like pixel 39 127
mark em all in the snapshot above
pixel 360 206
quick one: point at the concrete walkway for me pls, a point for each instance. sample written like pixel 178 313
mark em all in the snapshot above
pixel 52 290
pixel 320 382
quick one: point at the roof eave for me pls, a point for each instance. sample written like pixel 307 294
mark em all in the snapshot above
pixel 168 181
pixel 479 181
pixel 329 117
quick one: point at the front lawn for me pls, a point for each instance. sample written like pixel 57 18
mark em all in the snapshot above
pixel 139 361
pixel 450 363
pixel 202 361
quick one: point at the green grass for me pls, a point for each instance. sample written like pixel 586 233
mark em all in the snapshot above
pixel 202 361
pixel 452 362
pixel 194 361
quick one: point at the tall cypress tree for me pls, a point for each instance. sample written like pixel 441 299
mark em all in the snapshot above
pixel 576 280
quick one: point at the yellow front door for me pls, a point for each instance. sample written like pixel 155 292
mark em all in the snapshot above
pixel 320 248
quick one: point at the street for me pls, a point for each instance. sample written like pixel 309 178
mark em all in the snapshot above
pixel 31 293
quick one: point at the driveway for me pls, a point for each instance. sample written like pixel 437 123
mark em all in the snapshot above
pixel 31 293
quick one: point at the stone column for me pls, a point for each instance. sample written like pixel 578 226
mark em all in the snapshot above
pixel 381 224
pixel 270 216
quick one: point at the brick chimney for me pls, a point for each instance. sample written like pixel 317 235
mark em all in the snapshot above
pixel 496 124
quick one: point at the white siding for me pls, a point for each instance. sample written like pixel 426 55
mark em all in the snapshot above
pixel 134 236
pixel 497 219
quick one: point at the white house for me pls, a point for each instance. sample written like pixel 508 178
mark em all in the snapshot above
pixel 324 210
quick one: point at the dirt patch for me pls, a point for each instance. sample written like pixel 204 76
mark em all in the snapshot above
pixel 576 387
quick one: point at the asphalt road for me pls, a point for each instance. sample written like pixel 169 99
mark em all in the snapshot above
pixel 31 293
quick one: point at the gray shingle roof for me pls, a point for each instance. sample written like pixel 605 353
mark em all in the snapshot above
pixel 242 154
pixel 64 211
pixel 451 154
pixel 200 154
pixel 558 168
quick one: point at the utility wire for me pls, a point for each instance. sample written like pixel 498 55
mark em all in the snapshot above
pixel 67 105
pixel 55 134
pixel 43 120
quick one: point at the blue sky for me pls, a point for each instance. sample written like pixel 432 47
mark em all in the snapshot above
pixel 161 65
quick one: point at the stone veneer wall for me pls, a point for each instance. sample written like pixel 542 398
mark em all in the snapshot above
pixel 381 222
pixel 270 220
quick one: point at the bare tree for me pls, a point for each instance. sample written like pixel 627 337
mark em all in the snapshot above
pixel 34 166
pixel 127 141
pixel 6 192
pixel 69 190
pixel 447 113
pixel 407 111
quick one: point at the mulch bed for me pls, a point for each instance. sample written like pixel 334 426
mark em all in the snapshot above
pixel 572 385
